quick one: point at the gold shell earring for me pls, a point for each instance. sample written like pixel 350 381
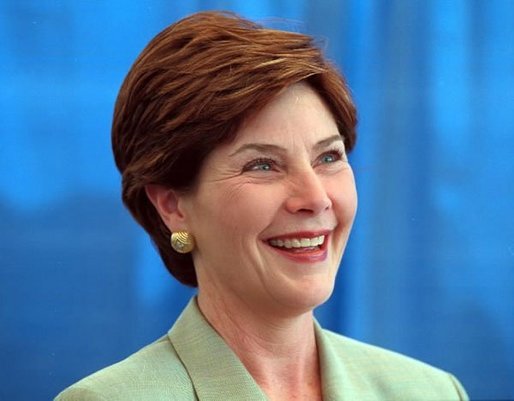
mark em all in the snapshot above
pixel 182 242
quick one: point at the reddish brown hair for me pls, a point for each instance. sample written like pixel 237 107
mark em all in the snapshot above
pixel 189 91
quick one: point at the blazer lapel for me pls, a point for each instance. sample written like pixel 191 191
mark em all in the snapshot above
pixel 338 382
pixel 215 371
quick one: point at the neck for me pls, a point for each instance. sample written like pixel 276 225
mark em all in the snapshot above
pixel 279 352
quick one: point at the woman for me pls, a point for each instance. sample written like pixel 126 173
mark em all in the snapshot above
pixel 231 140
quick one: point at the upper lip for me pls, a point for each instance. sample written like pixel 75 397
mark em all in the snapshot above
pixel 300 234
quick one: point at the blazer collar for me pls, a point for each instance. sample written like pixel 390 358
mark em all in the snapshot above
pixel 215 371
pixel 339 380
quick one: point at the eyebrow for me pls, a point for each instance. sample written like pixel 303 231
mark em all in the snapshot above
pixel 267 147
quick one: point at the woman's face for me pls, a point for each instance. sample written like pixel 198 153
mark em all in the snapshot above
pixel 272 210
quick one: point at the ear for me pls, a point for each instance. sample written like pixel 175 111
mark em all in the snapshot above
pixel 167 203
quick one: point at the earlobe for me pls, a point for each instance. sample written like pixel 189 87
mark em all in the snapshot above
pixel 166 202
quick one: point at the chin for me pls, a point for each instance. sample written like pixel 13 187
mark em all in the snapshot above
pixel 306 298
pixel 318 298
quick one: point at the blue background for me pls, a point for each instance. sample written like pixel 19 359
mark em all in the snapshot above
pixel 429 270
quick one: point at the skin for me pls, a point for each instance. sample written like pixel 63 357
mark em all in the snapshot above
pixel 285 174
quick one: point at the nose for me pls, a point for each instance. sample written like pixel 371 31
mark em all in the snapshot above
pixel 308 194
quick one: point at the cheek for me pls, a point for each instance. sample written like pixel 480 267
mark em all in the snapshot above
pixel 252 210
pixel 238 210
pixel 344 197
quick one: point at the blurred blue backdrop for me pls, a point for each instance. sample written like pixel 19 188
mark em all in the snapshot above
pixel 429 270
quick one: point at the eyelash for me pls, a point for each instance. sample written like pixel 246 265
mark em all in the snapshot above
pixel 339 155
pixel 251 166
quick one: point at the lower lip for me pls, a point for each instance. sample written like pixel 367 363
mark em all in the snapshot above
pixel 312 256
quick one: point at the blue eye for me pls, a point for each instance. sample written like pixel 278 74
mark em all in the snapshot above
pixel 260 165
pixel 330 157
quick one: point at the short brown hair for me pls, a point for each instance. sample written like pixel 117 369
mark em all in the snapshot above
pixel 189 91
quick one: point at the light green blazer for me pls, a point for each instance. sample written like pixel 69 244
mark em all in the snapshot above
pixel 192 362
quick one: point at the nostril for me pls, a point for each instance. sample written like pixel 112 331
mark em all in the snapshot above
pixel 309 196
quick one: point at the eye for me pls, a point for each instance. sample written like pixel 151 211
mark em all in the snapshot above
pixel 260 164
pixel 331 157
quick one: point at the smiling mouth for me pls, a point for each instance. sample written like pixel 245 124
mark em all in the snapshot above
pixel 299 244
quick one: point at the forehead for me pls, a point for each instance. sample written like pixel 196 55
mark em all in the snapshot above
pixel 298 112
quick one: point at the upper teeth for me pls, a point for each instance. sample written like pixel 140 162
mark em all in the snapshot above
pixel 298 242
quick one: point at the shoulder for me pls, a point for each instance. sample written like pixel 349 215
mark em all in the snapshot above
pixel 390 374
pixel 153 373
pixel 361 355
